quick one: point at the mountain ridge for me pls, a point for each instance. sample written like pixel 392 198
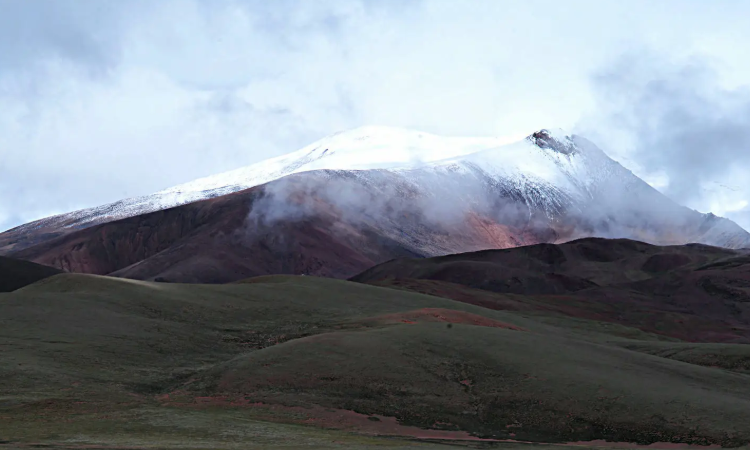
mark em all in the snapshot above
pixel 389 148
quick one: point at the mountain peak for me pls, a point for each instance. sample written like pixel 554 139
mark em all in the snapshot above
pixel 555 140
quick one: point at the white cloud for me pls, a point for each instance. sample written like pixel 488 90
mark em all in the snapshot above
pixel 109 99
pixel 680 124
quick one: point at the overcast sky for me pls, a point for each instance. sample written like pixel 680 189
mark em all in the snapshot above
pixel 101 100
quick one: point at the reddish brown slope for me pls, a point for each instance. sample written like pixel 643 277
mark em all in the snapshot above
pixel 108 247
pixel 228 238
pixel 248 233
pixel 209 242
pixel 550 268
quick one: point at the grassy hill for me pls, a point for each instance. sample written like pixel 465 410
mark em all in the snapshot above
pixel 305 362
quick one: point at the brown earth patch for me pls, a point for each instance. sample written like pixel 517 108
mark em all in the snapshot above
pixel 441 315
pixel 379 425
pixel 342 419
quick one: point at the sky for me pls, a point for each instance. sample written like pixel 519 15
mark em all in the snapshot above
pixel 106 99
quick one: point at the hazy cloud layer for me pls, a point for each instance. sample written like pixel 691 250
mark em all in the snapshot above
pixel 105 99
pixel 677 126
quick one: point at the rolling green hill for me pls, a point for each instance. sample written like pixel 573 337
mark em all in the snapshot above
pixel 305 362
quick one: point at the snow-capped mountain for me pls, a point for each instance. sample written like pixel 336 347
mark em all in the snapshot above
pixel 359 149
pixel 548 172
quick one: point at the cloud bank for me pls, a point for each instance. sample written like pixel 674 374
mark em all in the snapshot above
pixel 103 99
pixel 678 127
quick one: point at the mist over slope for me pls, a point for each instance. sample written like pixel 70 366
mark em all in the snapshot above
pixel 369 147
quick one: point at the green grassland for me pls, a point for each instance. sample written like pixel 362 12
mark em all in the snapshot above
pixel 97 361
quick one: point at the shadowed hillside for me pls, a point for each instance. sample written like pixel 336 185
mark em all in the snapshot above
pixel 693 292
pixel 15 274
